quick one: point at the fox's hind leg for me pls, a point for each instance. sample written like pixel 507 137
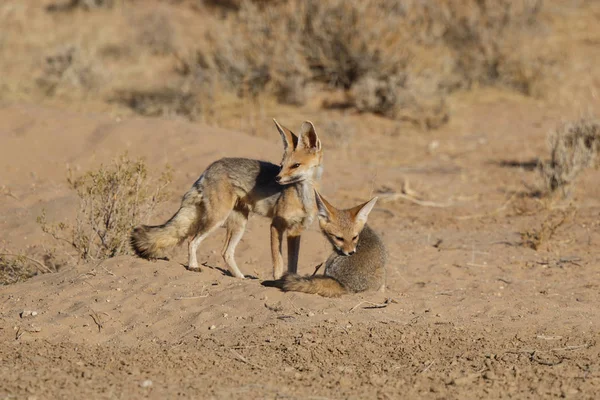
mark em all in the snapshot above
pixel 236 225
pixel 211 219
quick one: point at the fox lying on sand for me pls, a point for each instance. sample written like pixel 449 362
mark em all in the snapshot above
pixel 232 188
pixel 358 261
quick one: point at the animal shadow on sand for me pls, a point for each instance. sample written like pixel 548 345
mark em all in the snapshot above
pixel 223 271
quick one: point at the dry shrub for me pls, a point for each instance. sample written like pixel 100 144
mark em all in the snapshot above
pixel 67 68
pixel 397 58
pixel 338 132
pixel 155 32
pixel 112 200
pixel 168 102
pixel 15 268
pixel 235 5
pixel 19 266
pixel 534 238
pixel 390 98
pixel 80 4
pixel 574 146
pixel 490 40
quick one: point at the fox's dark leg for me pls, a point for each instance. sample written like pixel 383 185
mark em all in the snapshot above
pixel 293 242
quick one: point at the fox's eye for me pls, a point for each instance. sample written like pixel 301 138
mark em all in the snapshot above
pixel 339 238
pixel 295 166
pixel 354 238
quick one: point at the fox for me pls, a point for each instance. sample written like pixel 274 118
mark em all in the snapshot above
pixel 230 189
pixel 359 256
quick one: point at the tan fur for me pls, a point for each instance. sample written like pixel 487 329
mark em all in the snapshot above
pixel 358 261
pixel 318 284
pixel 232 188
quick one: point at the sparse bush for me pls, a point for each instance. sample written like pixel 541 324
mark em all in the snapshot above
pixel 160 102
pixel 489 40
pixel 535 238
pixel 112 200
pixel 237 4
pixel 18 267
pixel 574 146
pixel 156 33
pixel 15 269
pixel 397 58
pixel 82 4
pixel 339 132
pixel 66 67
pixel 391 98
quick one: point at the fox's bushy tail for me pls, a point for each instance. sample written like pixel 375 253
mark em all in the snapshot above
pixel 325 286
pixel 151 241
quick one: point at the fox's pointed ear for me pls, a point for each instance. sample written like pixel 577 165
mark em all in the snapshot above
pixel 323 211
pixel 290 141
pixel 362 211
pixel 308 138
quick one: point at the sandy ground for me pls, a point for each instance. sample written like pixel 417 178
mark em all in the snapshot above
pixel 469 312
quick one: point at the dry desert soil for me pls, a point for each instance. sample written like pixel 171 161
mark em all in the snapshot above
pixel 471 310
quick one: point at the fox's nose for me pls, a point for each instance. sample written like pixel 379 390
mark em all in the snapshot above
pixel 277 179
pixel 352 252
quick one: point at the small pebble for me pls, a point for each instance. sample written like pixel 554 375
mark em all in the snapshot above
pixel 212 327
pixel 146 384
pixel 28 313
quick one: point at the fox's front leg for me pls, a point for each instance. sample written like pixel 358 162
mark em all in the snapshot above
pixel 276 241
pixel 293 242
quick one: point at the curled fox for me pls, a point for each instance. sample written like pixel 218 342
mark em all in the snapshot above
pixel 232 188
pixel 358 260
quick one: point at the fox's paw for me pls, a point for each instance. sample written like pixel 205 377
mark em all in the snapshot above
pixel 194 269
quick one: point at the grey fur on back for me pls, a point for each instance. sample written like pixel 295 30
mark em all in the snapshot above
pixel 253 182
pixel 365 269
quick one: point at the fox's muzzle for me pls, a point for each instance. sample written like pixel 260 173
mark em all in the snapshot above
pixel 286 180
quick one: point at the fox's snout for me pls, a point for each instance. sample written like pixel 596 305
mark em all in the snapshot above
pixel 286 178
pixel 282 180
pixel 348 253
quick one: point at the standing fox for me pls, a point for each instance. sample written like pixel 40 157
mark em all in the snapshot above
pixel 358 261
pixel 231 188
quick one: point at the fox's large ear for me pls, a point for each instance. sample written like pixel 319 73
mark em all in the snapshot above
pixel 323 207
pixel 308 137
pixel 362 211
pixel 290 141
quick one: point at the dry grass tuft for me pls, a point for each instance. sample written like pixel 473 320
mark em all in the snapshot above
pixel 535 238
pixel 19 266
pixel 112 200
pixel 15 269
pixel 574 146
